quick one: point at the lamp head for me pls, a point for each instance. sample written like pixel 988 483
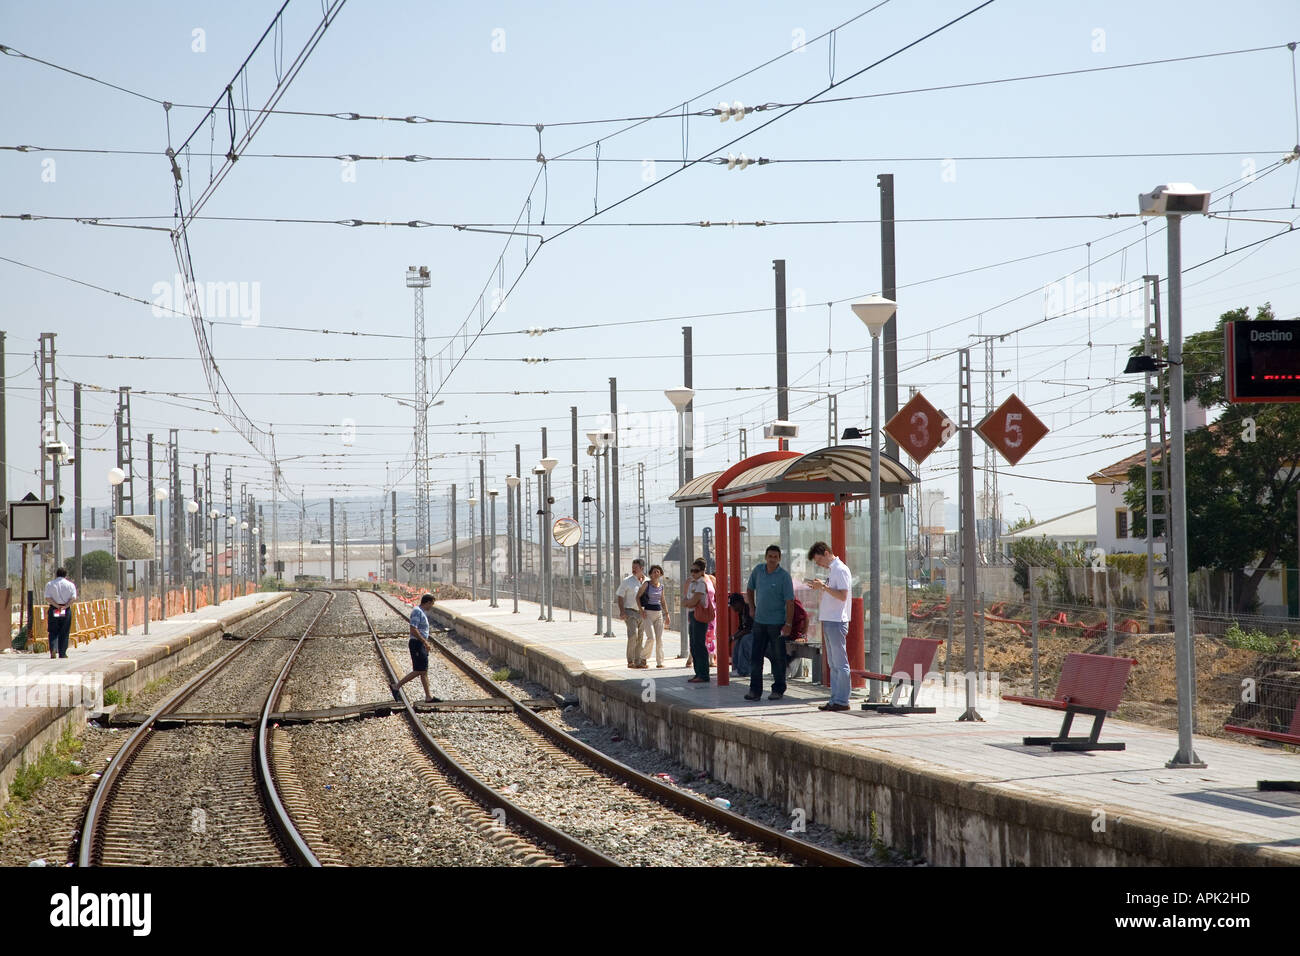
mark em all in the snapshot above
pixel 512 481
pixel 680 397
pixel 192 506
pixel 1174 199
pixel 549 464
pixel 874 312
pixel 160 493
pixel 116 476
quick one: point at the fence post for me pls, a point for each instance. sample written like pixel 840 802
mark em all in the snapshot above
pixel 952 624
pixel 1110 620
pixel 1033 625
pixel 980 625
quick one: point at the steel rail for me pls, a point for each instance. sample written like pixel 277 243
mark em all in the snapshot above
pixel 681 800
pixel 93 821
pixel 280 818
pixel 482 792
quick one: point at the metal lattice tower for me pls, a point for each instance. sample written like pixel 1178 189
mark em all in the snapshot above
pixel 991 507
pixel 49 412
pixel 530 522
pixel 417 278
pixel 229 536
pixel 346 576
pixel 1157 463
pixel 302 530
pixel 642 515
pixel 965 420
pixel 126 505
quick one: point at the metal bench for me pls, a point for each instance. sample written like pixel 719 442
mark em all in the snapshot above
pixel 803 649
pixel 1091 684
pixel 911 664
pixel 1290 736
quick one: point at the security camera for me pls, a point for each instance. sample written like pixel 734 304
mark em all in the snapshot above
pixel 1174 199
pixel 56 449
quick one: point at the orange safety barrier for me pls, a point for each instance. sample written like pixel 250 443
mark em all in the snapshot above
pixel 90 620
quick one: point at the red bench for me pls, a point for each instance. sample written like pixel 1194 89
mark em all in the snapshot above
pixel 1290 736
pixel 1091 684
pixel 911 664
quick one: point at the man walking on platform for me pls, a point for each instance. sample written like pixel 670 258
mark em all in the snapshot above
pixel 419 645
pixel 770 595
pixel 59 595
pixel 833 612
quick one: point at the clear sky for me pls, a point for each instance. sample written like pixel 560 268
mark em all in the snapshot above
pixel 558 63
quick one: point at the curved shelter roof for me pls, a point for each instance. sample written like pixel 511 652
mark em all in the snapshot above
pixel 834 473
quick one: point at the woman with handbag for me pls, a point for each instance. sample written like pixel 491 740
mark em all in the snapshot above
pixel 700 601
pixel 651 599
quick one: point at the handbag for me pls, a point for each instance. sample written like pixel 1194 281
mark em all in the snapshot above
pixel 703 612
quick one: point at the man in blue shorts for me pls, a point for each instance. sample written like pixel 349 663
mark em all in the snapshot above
pixel 419 648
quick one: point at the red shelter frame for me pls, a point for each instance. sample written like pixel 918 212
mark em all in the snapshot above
pixel 830 476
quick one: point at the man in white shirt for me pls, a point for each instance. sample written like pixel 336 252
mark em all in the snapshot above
pixel 834 613
pixel 630 611
pixel 59 595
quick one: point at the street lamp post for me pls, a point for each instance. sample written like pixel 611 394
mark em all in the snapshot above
pixel 548 465
pixel 874 312
pixel 160 495
pixel 216 578
pixel 539 472
pixel 473 595
pixel 1173 201
pixel 230 551
pixel 512 482
pixel 492 553
pixel 681 397
pixel 594 450
pixel 191 509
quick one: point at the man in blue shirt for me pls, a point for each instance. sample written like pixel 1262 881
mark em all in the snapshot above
pixel 419 645
pixel 770 595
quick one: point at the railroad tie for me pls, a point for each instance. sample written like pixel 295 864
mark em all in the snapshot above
pixel 473 815
pixel 296 802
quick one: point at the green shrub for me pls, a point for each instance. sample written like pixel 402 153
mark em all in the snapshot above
pixel 55 760
pixel 112 696
pixel 1280 644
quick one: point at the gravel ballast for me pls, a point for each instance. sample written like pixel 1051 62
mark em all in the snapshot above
pixel 334 672
pixel 374 806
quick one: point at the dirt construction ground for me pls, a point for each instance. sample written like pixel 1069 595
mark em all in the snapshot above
pixel 1151 697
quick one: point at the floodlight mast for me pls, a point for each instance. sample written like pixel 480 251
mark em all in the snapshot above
pixel 417 279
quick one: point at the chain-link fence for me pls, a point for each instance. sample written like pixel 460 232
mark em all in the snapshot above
pixel 1247 666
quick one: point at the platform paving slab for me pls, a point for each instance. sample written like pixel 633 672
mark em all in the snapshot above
pixel 40 695
pixel 952 792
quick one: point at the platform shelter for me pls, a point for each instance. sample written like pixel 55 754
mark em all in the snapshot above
pixel 822 493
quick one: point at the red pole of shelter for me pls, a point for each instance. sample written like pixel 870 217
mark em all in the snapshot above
pixel 722 612
pixel 857 645
pixel 736 575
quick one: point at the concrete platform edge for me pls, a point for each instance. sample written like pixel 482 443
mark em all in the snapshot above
pixel 946 818
pixel 43 726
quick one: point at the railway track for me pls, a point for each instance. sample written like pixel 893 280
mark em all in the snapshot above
pixel 595 805
pixel 203 795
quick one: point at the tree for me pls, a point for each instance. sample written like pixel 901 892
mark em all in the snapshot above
pixel 100 566
pixel 1242 472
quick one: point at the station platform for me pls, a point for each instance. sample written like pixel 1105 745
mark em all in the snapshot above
pixel 953 793
pixel 40 696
